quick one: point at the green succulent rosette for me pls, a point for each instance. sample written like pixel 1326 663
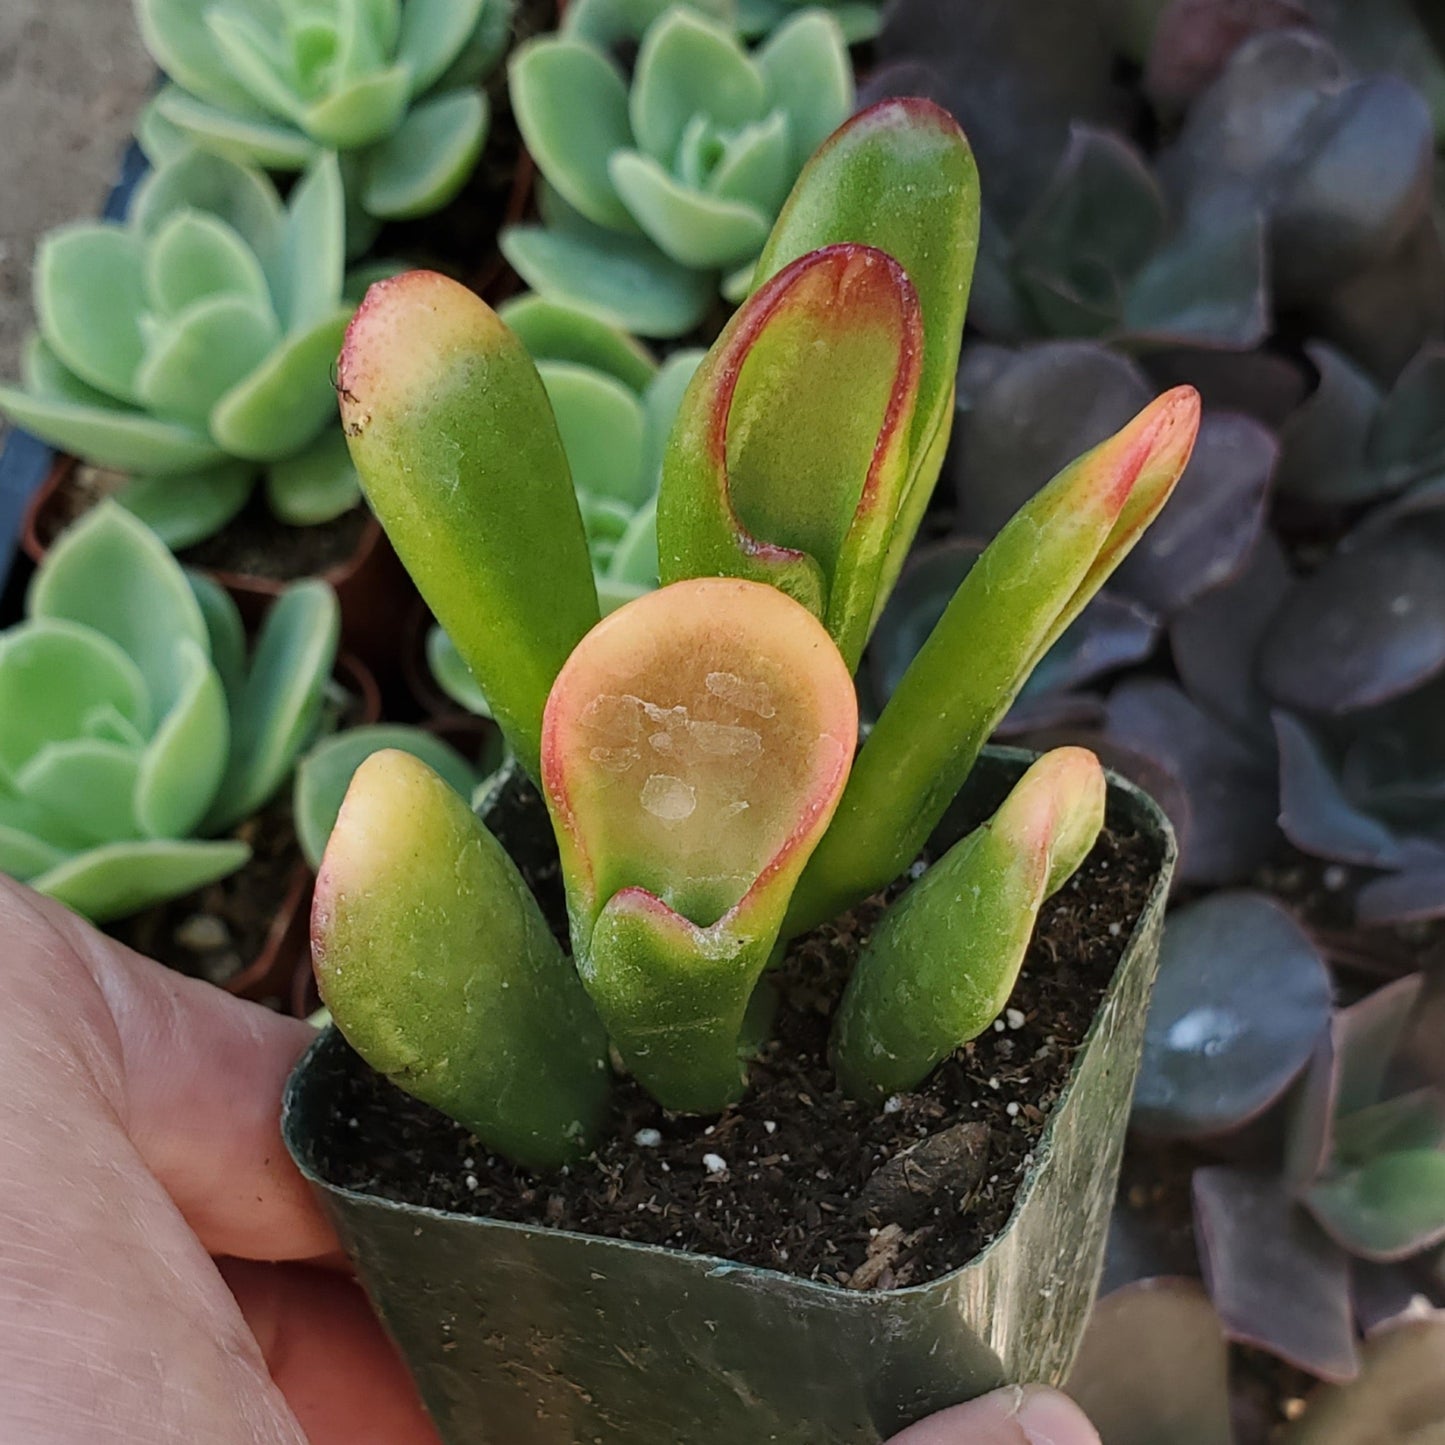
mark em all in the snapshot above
pixel 670 189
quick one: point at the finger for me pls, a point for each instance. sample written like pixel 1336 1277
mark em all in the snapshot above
pixel 1030 1416
pixel 338 1371
pixel 193 1075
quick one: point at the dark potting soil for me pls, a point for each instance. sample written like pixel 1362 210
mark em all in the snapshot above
pixel 217 931
pixel 796 1177
pixel 254 543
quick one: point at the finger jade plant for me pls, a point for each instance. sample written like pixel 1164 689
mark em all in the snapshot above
pixel 134 732
pixel 695 749
pixel 191 346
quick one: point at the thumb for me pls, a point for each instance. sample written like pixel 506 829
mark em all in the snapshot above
pixel 1028 1416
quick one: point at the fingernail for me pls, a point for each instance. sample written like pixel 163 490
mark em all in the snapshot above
pixel 1048 1418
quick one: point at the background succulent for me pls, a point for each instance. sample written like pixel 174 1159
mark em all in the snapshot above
pixel 673 185
pixel 394 87
pixel 857 19
pixel 1267 663
pixel 191 346
pixel 132 735
pixel 614 406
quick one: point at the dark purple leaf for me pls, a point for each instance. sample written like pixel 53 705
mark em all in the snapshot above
pixel 1147 1242
pixel 1048 711
pixel 1385 37
pixel 1322 446
pixel 1407 439
pixel 1261 384
pixel 1368 626
pixel 1425 500
pixel 1278 1283
pixel 1095 224
pixel 901 79
pixel 1056 401
pixel 1231 785
pixel 1208 287
pixel 1385 313
pixel 1317 816
pixel 1367 1036
pixel 1242 997
pixel 1195 38
pixel 1154 1367
pixel 1211 523
pixel 1111 632
pixel 1244 131
pixel 925 588
pixel 1016 77
pixel 1388 1209
pixel 1215 639
pixel 979 366
pixel 1340 167
pixel 1398 1399
pixel 1364 188
pixel 1310 1129
pixel 1388 1295
pixel 1414 896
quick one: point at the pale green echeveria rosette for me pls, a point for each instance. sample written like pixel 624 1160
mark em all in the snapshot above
pixel 191 347
pixel 133 727
pixel 614 405
pixel 394 88
pixel 859 20
pixel 670 188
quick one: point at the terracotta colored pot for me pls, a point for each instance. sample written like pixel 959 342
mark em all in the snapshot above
pixel 371 584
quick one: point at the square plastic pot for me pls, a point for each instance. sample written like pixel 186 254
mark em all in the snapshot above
pixel 522 1335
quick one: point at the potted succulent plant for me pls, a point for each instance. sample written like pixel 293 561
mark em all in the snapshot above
pixel 141 747
pixel 188 351
pixel 692 143
pixel 395 91
pixel 733 883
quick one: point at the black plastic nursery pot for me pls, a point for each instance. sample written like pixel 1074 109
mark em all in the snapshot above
pixel 526 1335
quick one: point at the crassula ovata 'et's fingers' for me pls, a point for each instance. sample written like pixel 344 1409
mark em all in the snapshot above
pixel 459 456
pixel 942 963
pixel 789 459
pixel 694 748
pixel 437 965
pixel 1034 578
pixel 899 176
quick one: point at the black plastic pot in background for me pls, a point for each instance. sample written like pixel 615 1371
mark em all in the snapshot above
pixel 522 1335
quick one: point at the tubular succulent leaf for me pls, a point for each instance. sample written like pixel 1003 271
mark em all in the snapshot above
pixel 673 184
pixel 941 965
pixel 459 455
pixel 130 735
pixel 394 87
pixel 192 346
pixel 1016 601
pixel 436 962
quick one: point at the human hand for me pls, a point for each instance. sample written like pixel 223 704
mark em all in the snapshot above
pixel 165 1276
